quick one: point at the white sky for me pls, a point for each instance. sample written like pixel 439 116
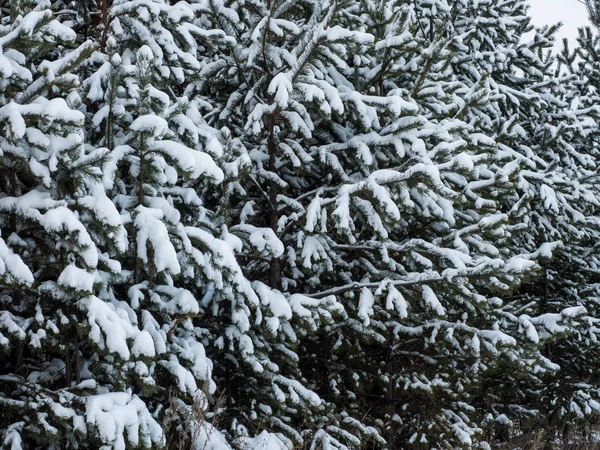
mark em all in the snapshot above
pixel 571 13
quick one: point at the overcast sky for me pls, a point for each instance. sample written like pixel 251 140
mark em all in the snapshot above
pixel 570 12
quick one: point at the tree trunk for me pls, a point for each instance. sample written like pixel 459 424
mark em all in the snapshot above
pixel 275 265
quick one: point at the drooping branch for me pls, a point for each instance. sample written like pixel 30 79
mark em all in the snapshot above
pixel 406 282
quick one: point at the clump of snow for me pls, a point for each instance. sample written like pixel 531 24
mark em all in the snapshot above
pixel 122 420
pixel 76 278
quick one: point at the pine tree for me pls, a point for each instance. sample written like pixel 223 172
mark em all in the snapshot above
pixel 541 127
pixel 470 105
pixel 569 399
pixel 381 178
pixel 51 264
pixel 310 224
pixel 216 335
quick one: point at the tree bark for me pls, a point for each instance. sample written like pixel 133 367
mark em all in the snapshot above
pixel 275 265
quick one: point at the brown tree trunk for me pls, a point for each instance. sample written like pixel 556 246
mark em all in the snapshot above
pixel 275 265
pixel 104 11
pixel 137 268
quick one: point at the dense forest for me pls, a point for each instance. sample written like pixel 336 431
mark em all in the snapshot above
pixel 297 224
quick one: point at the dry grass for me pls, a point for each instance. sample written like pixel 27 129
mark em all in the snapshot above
pixel 183 424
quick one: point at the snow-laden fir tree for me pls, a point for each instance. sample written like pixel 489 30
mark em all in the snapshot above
pixel 568 147
pixel 293 224
pixel 385 180
pixel 470 98
pixel 535 122
pixel 52 268
pixel 215 337
pixel 548 133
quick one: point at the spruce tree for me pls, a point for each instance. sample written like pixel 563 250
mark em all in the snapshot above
pixel 295 224
pixel 52 267
pixel 569 399
pixel 539 124
pixel 380 175
pixel 218 338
